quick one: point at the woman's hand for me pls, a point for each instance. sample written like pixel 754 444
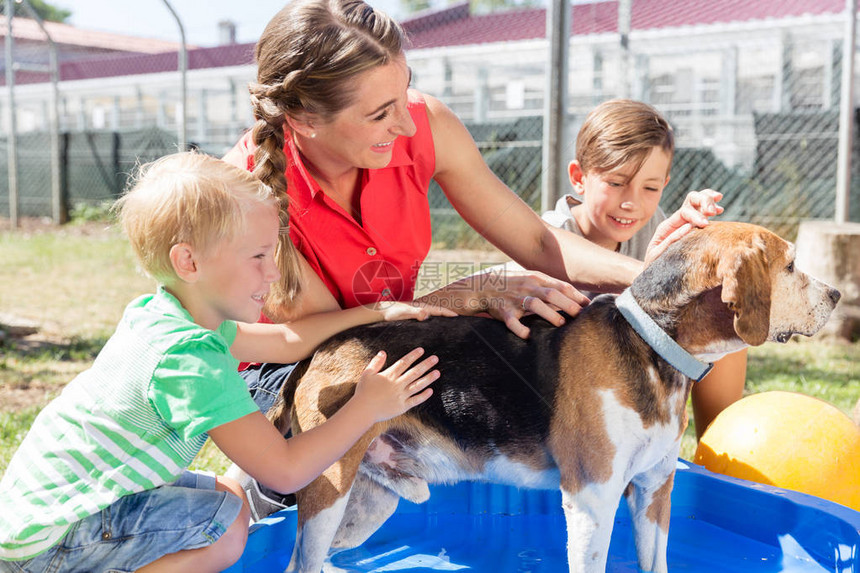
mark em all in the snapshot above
pixel 697 208
pixel 405 310
pixel 507 294
pixel 398 388
pixel 524 292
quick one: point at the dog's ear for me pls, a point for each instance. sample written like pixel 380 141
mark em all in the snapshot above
pixel 744 275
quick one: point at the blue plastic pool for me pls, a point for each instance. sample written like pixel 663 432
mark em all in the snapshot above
pixel 718 524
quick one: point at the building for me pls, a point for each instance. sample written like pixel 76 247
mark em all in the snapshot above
pixel 707 64
pixel 729 74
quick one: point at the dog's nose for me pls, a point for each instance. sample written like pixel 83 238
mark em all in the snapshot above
pixel 834 295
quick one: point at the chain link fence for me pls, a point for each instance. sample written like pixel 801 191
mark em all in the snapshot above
pixel 753 99
pixel 754 102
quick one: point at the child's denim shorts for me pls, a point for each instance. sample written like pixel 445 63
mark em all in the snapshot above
pixel 140 528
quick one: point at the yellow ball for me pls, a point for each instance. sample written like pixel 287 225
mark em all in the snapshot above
pixel 788 440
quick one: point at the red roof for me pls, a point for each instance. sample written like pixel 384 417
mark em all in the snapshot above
pixel 135 64
pixel 456 26
pixel 28 29
pixel 200 58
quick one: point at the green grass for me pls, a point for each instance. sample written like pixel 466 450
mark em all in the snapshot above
pixel 75 282
pixel 829 372
pixel 13 428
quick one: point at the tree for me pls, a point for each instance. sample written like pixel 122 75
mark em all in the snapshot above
pixel 413 6
pixel 42 8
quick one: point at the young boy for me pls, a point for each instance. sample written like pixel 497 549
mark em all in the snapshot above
pixel 624 152
pixel 100 482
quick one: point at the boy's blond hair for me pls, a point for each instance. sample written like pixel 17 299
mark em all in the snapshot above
pixel 621 131
pixel 186 198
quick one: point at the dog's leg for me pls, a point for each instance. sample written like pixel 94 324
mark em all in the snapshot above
pixel 590 515
pixel 321 507
pixel 314 535
pixel 370 504
pixel 649 500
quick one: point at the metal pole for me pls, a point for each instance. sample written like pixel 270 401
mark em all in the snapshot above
pixel 624 17
pixel 12 146
pixel 59 211
pixel 183 64
pixel 846 115
pixel 555 102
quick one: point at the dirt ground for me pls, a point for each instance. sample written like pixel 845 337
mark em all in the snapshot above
pixel 21 396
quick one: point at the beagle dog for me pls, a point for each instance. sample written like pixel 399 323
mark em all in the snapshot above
pixel 595 407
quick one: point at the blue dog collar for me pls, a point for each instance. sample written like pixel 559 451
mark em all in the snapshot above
pixel 656 337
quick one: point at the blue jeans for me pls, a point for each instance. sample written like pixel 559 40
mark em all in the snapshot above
pixel 265 382
pixel 140 528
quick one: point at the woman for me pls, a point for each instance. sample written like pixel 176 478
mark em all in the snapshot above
pixel 340 133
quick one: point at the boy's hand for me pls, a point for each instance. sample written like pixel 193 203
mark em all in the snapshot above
pixel 404 310
pixel 697 207
pixel 384 395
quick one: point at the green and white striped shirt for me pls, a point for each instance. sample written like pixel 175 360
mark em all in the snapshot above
pixel 133 422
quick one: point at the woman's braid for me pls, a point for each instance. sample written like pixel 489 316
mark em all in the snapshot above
pixel 269 166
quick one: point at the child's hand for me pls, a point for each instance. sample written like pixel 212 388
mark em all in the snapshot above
pixel 699 206
pixel 417 310
pixel 398 388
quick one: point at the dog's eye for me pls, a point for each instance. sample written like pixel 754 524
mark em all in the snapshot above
pixel 790 267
